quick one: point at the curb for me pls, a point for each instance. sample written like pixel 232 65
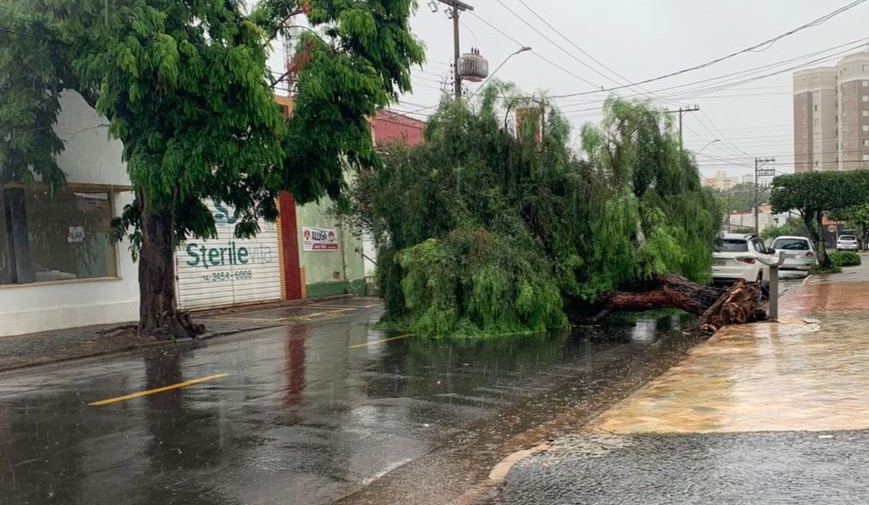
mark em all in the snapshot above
pixel 235 310
pixel 127 349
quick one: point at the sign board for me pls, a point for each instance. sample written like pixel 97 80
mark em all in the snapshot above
pixel 228 270
pixel 75 234
pixel 319 239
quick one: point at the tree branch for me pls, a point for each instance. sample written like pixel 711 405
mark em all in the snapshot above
pixel 279 26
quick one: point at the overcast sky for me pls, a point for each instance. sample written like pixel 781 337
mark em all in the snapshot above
pixel 644 39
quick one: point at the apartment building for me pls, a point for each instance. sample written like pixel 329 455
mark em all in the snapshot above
pixel 831 116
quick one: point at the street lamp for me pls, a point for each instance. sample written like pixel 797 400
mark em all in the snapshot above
pixel 514 53
pixel 707 145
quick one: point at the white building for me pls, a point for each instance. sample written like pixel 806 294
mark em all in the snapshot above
pixel 80 277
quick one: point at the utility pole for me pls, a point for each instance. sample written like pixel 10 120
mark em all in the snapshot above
pixel 681 111
pixel 760 171
pixel 456 7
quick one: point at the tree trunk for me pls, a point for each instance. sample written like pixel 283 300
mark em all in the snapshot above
pixel 17 236
pixel 813 222
pixel 157 313
pixel 715 306
pixel 739 305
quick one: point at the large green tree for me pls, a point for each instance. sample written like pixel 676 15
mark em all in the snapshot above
pixel 185 87
pixel 813 194
pixel 485 229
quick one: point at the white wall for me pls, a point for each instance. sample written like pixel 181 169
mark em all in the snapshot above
pixel 89 158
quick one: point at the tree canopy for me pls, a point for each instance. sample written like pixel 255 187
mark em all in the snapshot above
pixel 484 229
pixel 813 194
pixel 184 85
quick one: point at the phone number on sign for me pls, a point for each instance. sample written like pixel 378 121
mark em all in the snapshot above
pixel 227 276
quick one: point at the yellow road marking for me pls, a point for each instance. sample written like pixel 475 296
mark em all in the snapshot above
pixel 366 344
pixel 157 390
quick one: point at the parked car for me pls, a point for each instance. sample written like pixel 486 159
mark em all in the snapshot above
pixel 847 243
pixel 737 256
pixel 799 253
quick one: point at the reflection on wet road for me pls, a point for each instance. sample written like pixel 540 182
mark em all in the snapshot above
pixel 303 414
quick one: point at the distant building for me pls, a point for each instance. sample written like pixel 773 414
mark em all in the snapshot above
pixel 831 116
pixel 743 222
pixel 720 181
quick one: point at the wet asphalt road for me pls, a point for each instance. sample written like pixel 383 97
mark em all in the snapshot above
pixel 649 469
pixel 307 413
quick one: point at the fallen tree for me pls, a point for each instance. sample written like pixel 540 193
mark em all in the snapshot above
pixel 717 307
pixel 489 228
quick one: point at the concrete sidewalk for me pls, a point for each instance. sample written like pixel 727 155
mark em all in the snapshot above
pixel 761 413
pixel 46 347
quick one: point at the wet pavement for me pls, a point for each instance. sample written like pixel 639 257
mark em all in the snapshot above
pixel 761 413
pixel 52 346
pixel 309 412
pixel 755 468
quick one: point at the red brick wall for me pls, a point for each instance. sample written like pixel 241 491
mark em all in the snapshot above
pixel 391 127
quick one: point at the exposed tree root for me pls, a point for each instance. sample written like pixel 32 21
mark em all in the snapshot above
pixel 716 307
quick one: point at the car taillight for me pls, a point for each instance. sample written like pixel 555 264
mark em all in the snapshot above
pixel 745 259
pixel 809 254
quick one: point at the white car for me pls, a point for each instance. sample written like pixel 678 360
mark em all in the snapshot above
pixel 847 243
pixel 798 252
pixel 737 256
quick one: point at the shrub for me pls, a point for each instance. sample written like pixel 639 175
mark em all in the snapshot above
pixel 819 270
pixel 844 259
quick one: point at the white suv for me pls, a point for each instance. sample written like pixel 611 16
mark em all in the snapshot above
pixel 737 256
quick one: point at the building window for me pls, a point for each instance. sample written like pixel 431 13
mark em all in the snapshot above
pixel 866 98
pixel 55 237
pixel 816 163
pixel 816 108
pixel 866 127
pixel 866 157
pixel 866 113
pixel 866 83
pixel 865 142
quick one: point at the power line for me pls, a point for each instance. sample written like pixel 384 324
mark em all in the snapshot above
pixel 723 137
pixel 849 47
pixel 535 53
pixel 584 52
pixel 693 93
pixel 555 44
pixel 765 44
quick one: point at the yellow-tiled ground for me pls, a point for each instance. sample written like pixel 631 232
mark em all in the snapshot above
pixel 808 372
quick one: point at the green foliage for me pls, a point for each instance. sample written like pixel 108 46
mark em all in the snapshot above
pixel 475 281
pixel 793 226
pixel 740 198
pixel 185 87
pixel 815 193
pixel 845 259
pixel 483 229
pixel 822 270
pixel 32 71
